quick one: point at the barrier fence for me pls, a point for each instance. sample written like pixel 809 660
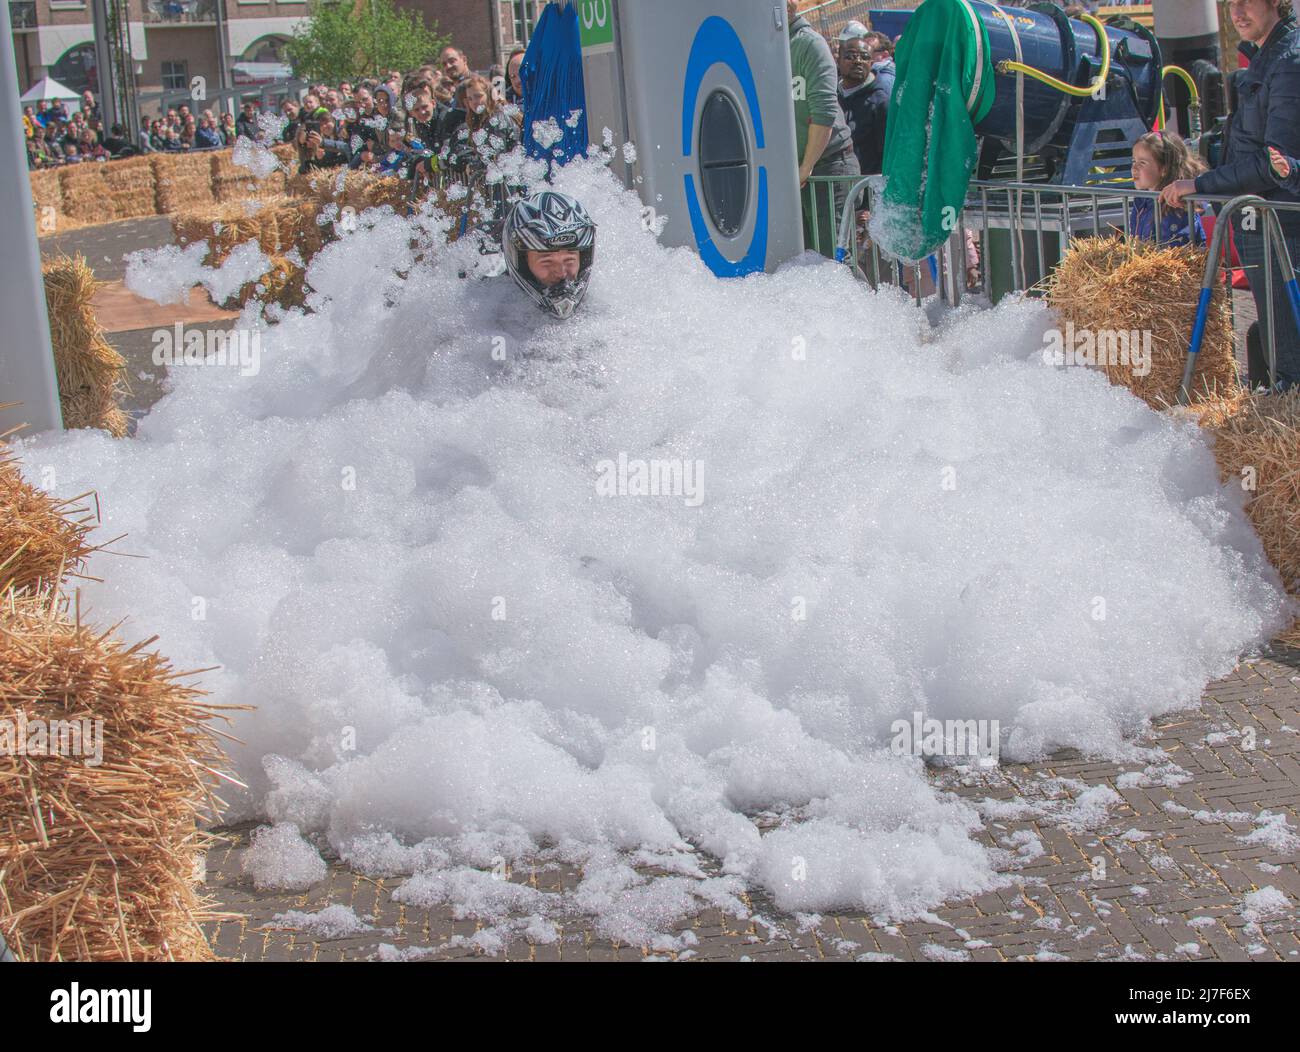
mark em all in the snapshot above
pixel 1022 230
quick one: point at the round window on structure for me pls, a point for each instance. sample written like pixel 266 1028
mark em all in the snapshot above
pixel 724 163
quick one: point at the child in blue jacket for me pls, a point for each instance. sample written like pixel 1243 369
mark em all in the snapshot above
pixel 1158 160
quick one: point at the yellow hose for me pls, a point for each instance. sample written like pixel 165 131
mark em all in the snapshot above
pixel 1187 79
pixel 1007 66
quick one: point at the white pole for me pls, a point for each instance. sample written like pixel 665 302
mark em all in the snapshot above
pixel 26 360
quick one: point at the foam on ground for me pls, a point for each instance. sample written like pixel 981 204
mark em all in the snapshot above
pixel 463 655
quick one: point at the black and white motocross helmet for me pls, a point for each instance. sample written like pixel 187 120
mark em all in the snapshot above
pixel 550 221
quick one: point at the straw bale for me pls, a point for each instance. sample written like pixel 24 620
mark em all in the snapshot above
pixel 86 194
pixel 91 374
pixel 232 182
pixel 227 225
pixel 1257 446
pixel 1126 285
pixel 184 181
pixel 132 187
pixel 1257 441
pixel 42 540
pixel 46 189
pixel 283 283
pixel 98 861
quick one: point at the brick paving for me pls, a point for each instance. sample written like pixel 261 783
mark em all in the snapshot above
pixel 1162 877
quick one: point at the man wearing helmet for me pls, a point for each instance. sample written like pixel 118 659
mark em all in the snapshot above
pixel 549 243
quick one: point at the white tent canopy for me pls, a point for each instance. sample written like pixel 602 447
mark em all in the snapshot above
pixel 48 89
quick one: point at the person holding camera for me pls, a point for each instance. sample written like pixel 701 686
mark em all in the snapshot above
pixel 317 147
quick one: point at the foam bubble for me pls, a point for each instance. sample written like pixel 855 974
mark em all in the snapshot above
pixel 462 654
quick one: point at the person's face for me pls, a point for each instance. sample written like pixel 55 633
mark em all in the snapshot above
pixel 512 71
pixel 364 103
pixel 420 104
pixel 1254 19
pixel 453 63
pixel 475 99
pixel 381 103
pixel 855 60
pixel 1147 173
pixel 792 9
pixel 311 103
pixel 395 141
pixel 335 100
pixel 550 268
pixel 326 128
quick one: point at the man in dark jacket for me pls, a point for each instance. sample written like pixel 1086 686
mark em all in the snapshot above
pixel 865 104
pixel 246 122
pixel 1267 114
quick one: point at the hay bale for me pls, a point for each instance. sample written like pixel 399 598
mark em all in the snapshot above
pixel 227 225
pixel 86 195
pixel 1125 285
pixel 43 540
pixel 183 180
pixel 98 861
pixel 132 188
pixel 1257 446
pixel 319 184
pixel 91 374
pixel 232 182
pixel 283 283
pixel 47 199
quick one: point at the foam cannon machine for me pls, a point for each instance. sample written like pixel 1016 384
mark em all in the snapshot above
pixel 701 89
pixel 1016 95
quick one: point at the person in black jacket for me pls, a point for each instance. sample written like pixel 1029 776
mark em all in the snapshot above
pixel 865 104
pixel 317 146
pixel 1267 114
pixel 246 122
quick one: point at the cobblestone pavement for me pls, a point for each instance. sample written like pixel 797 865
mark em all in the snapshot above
pixel 1149 860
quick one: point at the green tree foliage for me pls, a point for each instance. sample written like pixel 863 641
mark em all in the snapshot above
pixel 341 40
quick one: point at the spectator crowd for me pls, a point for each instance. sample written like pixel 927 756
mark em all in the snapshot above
pixel 443 116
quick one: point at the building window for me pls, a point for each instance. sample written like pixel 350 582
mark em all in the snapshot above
pixel 175 76
pixel 525 15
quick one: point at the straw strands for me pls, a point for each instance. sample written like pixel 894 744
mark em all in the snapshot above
pixel 132 187
pixel 107 763
pixel 91 374
pixel 184 181
pixel 1257 447
pixel 85 193
pixel 42 540
pixel 284 284
pixel 232 182
pixel 225 226
pixel 47 199
pixel 1125 286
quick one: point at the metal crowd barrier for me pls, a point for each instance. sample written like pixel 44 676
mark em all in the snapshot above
pixel 1023 229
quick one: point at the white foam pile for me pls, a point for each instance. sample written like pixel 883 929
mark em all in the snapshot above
pixel 466 652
